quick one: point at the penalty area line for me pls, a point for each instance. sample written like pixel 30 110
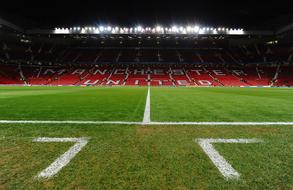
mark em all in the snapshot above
pixel 145 123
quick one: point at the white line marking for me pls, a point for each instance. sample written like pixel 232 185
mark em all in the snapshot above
pixel 219 161
pixel 65 158
pixel 142 123
pixel 67 122
pixel 147 110
pixel 221 123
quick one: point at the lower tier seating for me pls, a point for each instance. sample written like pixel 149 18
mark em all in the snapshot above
pixel 144 75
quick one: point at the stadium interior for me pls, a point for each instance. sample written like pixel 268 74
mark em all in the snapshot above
pixel 145 59
pixel 146 95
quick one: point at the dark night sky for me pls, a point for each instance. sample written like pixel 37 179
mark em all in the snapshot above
pixel 247 14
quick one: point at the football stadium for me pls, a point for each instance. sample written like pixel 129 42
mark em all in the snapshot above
pixel 123 95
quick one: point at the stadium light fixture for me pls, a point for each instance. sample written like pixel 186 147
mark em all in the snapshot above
pixel 101 28
pixel 158 29
pixel 196 29
pixel 83 31
pixel 189 29
pixel 202 31
pixel 61 31
pixel 175 29
pixel 139 28
pixel 236 32
pixel 97 31
pixel 113 31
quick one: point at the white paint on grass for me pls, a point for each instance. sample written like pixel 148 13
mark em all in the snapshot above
pixel 65 158
pixel 147 110
pixel 67 122
pixel 219 161
pixel 222 123
pixel 143 123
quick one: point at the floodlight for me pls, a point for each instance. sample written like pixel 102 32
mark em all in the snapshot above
pixel 158 29
pixel 139 28
pixel 97 31
pixel 175 29
pixel 188 29
pixel 196 29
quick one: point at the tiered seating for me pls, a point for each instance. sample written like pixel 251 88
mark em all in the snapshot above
pixel 118 76
pixel 128 55
pixel 96 76
pixel 277 53
pixel 160 76
pixel 19 51
pixel 285 77
pixel 87 56
pixel 155 75
pixel 146 62
pixel 71 77
pixel 10 75
pixel 179 76
pixel 137 76
pixel 146 51
pixel 168 56
pixel 225 77
pixel 108 55
pixel 249 76
pixel 191 56
pixel 209 56
pixel 202 77
pixel 47 53
pixel 149 55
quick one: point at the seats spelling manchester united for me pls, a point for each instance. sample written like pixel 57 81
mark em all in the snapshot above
pixel 143 75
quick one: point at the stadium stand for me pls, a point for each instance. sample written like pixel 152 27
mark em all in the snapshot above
pixel 142 75
pixel 142 62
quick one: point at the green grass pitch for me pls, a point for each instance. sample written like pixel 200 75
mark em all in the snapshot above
pixel 145 157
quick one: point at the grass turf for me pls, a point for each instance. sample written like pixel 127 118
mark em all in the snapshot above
pixel 222 104
pixel 127 104
pixel 152 157
pixel 136 157
pixel 72 103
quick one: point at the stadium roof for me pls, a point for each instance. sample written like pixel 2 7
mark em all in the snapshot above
pixel 252 15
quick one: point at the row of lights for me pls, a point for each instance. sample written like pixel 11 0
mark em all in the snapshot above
pixel 149 30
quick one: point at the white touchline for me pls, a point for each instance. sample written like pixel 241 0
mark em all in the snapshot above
pixel 219 161
pixel 65 158
pixel 147 110
pixel 142 123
